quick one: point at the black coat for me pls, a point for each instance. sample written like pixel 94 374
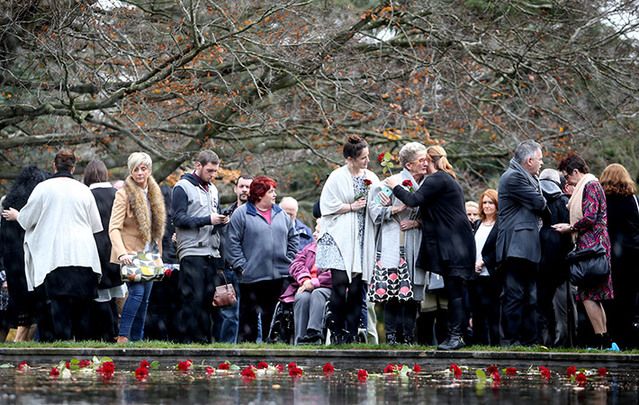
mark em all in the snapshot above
pixel 554 245
pixel 448 245
pixel 520 207
pixel 104 198
pixel 623 228
pixel 489 251
pixel 12 260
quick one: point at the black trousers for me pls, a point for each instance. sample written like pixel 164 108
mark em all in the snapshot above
pixel 258 298
pixel 519 303
pixel 400 318
pixel 345 303
pixel 486 309
pixel 104 321
pixel 456 291
pixel 196 286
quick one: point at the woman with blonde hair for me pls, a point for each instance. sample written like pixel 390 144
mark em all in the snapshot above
pixel 137 222
pixel 623 228
pixel 447 246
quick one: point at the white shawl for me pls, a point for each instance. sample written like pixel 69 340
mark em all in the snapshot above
pixel 338 190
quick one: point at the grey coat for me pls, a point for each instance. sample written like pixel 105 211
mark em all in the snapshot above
pixel 521 204
pixel 262 251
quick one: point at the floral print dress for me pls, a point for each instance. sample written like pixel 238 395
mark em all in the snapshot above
pixel 328 255
pixel 593 229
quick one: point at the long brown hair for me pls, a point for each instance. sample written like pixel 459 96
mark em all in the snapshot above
pixel 615 179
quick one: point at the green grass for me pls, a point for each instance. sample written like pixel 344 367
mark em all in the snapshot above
pixel 156 344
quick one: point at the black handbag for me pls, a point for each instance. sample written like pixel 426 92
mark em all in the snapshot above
pixel 588 267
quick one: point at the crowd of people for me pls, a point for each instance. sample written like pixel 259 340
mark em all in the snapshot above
pixel 409 248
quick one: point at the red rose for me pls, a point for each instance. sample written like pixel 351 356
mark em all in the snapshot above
pixel 84 363
pixel 367 182
pixel 545 373
pixel 167 272
pixel 602 371
pixel 581 379
pixel 55 373
pixel 23 366
pixel 184 366
pixel 224 366
pixel 261 365
pixel 417 368
pixel 362 375
pixel 292 365
pixel 511 371
pixel 248 372
pixel 328 368
pixel 145 364
pixel 407 183
pixel 106 368
pixel 380 157
pixel 496 378
pixel 456 370
pixel 492 369
pixel 141 373
pixel 390 368
pixel 279 367
pixel 295 372
pixel 209 370
pixel 571 370
pixel 67 365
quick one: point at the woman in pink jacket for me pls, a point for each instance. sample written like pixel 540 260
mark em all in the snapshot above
pixel 310 291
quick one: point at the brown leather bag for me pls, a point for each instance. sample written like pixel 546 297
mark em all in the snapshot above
pixel 224 294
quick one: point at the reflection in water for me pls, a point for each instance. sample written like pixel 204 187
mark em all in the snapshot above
pixel 166 387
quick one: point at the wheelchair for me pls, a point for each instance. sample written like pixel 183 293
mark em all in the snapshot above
pixel 282 329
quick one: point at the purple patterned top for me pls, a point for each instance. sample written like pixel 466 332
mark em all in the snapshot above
pixel 593 229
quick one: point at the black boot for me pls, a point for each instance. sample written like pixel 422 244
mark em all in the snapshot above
pixel 455 322
pixel 391 339
pixel 454 342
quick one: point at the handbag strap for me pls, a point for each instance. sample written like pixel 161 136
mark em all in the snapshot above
pixel 636 203
pixel 223 276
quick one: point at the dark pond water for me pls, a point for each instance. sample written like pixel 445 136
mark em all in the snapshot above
pixel 166 385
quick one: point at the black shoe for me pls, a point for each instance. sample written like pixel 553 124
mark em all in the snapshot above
pixel 312 337
pixel 391 339
pixel 452 343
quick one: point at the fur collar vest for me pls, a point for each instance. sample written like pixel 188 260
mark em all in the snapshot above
pixel 151 229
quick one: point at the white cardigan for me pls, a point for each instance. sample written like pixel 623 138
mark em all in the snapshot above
pixel 59 220
pixel 338 190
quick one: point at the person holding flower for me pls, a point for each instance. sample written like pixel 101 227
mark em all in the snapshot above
pixel 447 245
pixel 400 285
pixel 346 240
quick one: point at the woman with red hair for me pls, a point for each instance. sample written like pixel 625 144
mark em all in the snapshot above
pixel 260 244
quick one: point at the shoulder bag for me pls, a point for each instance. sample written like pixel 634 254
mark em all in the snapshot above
pixel 224 295
pixel 146 266
pixel 588 267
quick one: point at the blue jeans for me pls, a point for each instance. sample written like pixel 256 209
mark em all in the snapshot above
pixel 134 311
pixel 228 318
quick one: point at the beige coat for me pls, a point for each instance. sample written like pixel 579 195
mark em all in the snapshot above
pixel 130 227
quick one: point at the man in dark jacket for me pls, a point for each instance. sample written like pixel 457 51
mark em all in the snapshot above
pixel 197 219
pixel 518 248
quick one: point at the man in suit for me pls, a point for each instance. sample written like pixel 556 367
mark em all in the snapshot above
pixel 521 204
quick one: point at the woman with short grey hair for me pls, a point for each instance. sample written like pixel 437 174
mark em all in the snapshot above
pixel 397 281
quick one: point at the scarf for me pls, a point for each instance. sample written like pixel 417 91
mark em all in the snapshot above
pixel 150 213
pixel 575 203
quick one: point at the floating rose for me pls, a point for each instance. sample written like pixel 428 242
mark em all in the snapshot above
pixel 144 364
pixel 84 363
pixel 417 368
pixel 581 379
pixel 184 366
pixel 496 377
pixel 510 371
pixel 492 369
pixel 328 369
pixel 54 373
pixel 295 371
pixel 457 371
pixel 261 365
pixel 141 373
pixel 571 370
pixel 362 375
pixel 291 365
pixel 390 368
pixel 544 372
pixel 209 370
pixel 106 369
pixel 23 366
pixel 279 367
pixel 248 373
pixel 224 366
pixel 602 371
